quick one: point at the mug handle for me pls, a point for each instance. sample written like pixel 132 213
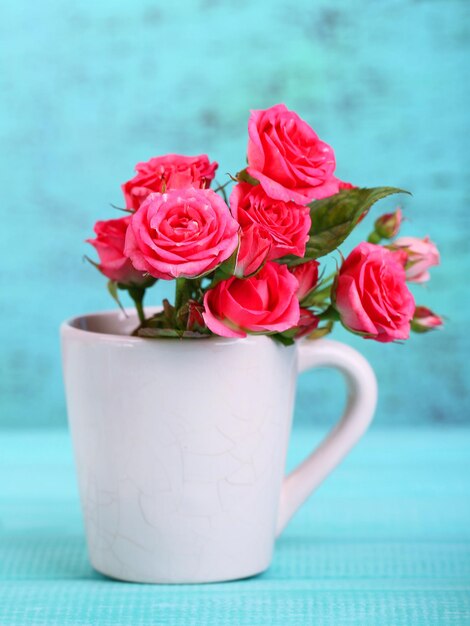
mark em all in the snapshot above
pixel 362 400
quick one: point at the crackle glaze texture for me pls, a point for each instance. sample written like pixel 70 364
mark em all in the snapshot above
pixel 180 448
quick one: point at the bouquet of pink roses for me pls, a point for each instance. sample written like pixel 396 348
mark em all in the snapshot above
pixel 249 263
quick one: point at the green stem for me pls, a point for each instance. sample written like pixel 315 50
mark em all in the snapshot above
pixel 182 292
pixel 374 237
pixel 137 294
pixel 221 187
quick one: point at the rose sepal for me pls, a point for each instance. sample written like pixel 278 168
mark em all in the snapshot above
pixel 243 177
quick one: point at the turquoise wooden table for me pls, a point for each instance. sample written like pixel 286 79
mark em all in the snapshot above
pixel 385 541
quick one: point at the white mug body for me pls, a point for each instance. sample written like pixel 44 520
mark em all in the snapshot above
pixel 180 448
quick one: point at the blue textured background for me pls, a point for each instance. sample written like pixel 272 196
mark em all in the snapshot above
pixel 89 89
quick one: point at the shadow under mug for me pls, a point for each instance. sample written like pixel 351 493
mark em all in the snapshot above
pixel 180 445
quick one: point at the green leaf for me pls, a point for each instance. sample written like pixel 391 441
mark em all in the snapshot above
pixel 283 338
pixel 113 291
pixel 154 333
pixel 335 217
pixel 329 314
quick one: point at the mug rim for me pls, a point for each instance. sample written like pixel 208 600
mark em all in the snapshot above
pixel 68 328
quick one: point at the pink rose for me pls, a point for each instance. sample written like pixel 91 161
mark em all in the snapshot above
pixel 421 254
pixel 172 171
pixel 287 157
pixel 181 233
pixel 371 294
pixel 285 224
pixel 307 275
pixel 424 320
pixel 265 302
pixel 109 244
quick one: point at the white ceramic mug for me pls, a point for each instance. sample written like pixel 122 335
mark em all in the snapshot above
pixel 180 446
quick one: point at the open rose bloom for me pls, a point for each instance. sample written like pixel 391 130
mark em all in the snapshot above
pixel 167 172
pixel 253 260
pixel 371 294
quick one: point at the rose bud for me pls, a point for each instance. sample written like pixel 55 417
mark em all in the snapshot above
pixel 254 249
pixel 344 186
pixel 285 224
pixel 388 225
pixel 195 319
pixel 425 320
pixel 172 171
pixel 308 322
pixel 181 233
pixel 266 302
pixel 371 295
pixel 288 158
pixel 307 275
pixel 109 244
pixel 421 254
